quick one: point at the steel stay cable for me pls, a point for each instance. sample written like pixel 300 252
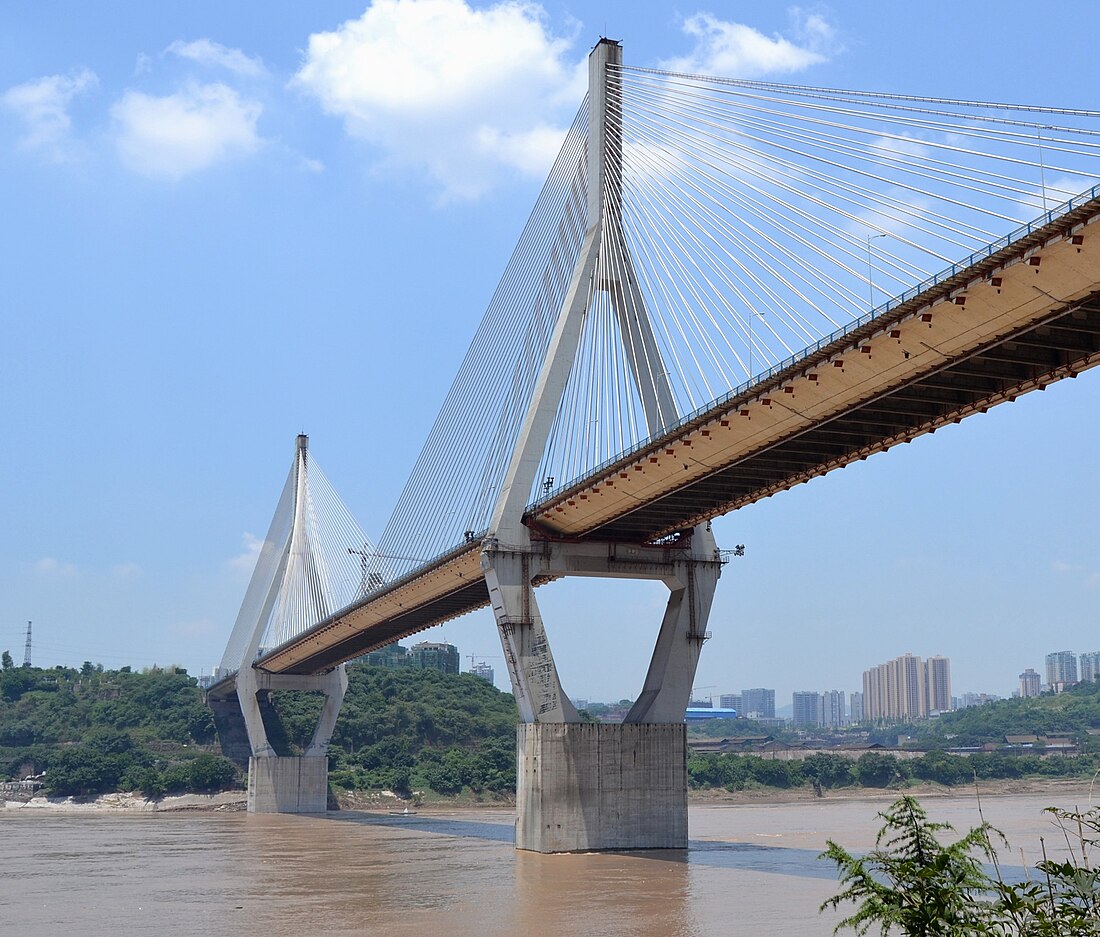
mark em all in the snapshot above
pixel 1006 136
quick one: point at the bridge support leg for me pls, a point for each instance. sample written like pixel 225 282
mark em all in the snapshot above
pixel 286 783
pixel 580 786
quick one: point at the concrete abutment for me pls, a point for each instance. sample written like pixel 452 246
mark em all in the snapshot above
pixel 583 787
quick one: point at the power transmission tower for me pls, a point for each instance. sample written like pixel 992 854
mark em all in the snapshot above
pixel 27 647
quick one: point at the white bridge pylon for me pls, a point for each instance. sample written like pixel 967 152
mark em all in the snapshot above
pixel 512 562
pixel 304 572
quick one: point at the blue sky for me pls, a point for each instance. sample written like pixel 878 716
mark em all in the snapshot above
pixel 224 224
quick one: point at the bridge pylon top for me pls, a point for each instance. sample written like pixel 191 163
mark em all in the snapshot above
pixel 603 266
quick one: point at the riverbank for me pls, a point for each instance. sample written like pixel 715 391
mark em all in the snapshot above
pixel 231 801
pixel 235 801
pixel 1056 787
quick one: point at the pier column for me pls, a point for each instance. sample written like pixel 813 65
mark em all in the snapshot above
pixel 288 783
pixel 583 787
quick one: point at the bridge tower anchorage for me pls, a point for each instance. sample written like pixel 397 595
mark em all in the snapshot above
pixel 281 783
pixel 586 787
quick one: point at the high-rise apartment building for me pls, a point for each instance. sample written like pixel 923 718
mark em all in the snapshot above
pixel 855 708
pixel 833 711
pixel 730 701
pixel 432 655
pixel 907 688
pixel 483 670
pixel 807 709
pixel 1090 666
pixel 1061 669
pixel 937 683
pixel 1029 683
pixel 758 702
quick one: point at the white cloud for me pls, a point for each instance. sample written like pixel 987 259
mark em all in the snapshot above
pixel 738 51
pixel 212 54
pixel 245 561
pixel 43 106
pixel 50 568
pixel 460 93
pixel 126 571
pixel 185 132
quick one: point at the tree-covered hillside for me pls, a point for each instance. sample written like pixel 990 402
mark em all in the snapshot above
pixel 93 731
pixel 1070 713
pixel 405 730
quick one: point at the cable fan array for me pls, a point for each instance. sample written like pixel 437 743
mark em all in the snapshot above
pixel 741 221
pixel 314 560
pixel 758 217
pixel 453 486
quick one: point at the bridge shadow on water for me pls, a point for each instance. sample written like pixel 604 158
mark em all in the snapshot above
pixel 719 854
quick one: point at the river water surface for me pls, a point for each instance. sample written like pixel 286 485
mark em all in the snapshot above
pixel 750 870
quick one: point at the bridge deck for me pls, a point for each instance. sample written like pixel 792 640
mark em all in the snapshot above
pixel 1015 321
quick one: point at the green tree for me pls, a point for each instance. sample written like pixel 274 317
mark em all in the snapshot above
pixel 6 661
pixel 873 769
pixel 914 885
pixel 211 773
pixel 913 882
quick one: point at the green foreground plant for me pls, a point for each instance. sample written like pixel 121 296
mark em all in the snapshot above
pixel 913 884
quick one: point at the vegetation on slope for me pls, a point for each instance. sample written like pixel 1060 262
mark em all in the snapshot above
pixel 1070 713
pixel 413 730
pixel 94 731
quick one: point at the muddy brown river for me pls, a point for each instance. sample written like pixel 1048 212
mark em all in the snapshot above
pixel 750 870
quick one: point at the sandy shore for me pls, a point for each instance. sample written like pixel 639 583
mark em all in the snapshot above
pixel 135 803
pixel 1085 789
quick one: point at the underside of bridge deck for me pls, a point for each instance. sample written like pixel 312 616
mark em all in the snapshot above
pixel 1062 346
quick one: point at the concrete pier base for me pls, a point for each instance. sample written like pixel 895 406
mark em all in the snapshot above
pixel 288 784
pixel 583 787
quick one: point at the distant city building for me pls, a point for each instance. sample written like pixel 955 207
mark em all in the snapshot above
pixel 758 703
pixel 701 704
pixel 730 701
pixel 833 711
pixel 967 700
pixel 1090 666
pixel 907 688
pixel 806 708
pixel 937 683
pixel 483 670
pixel 392 656
pixel 855 708
pixel 432 655
pixel 580 703
pixel 1029 683
pixel 1061 669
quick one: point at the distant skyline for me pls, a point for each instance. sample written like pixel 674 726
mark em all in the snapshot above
pixel 225 224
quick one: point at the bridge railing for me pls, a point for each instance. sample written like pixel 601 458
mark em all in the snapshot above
pixel 984 253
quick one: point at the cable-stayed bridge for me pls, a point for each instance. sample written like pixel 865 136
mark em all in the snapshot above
pixel 725 288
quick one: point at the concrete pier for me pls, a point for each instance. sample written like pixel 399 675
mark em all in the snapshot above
pixel 583 787
pixel 288 784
